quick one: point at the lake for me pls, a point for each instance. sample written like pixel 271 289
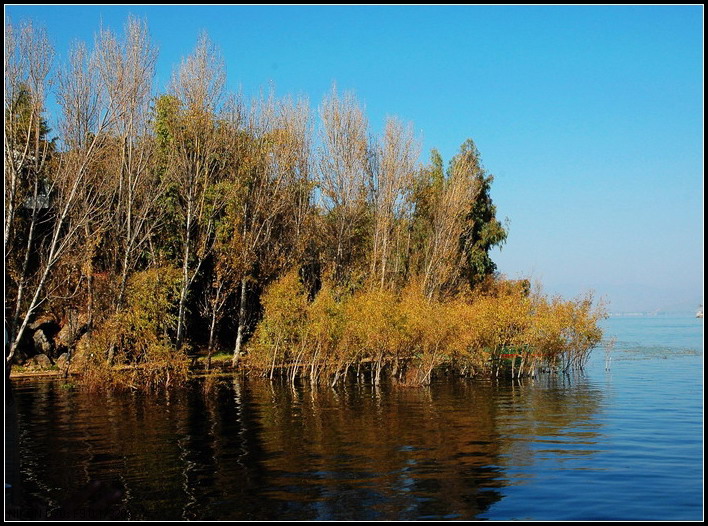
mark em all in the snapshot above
pixel 622 440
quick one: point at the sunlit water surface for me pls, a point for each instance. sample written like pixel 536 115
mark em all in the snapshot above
pixel 617 443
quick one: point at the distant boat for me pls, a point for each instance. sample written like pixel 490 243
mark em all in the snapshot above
pixel 699 314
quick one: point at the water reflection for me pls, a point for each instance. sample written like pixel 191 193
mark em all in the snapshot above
pixel 254 450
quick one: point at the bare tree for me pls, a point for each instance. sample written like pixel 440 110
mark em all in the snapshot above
pixel 28 62
pixel 391 180
pixel 196 159
pixel 272 170
pixel 343 168
pixel 443 257
pixel 86 116
pixel 126 68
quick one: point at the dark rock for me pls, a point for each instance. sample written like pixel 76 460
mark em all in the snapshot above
pixel 42 345
pixel 43 321
pixel 75 324
pixel 61 361
pixel 41 361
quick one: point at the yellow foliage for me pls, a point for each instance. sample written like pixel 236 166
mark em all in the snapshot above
pixel 132 348
pixel 281 329
pixel 406 335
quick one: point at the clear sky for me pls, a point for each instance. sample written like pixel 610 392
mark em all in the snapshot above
pixel 590 117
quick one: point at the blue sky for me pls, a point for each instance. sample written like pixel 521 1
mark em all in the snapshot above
pixel 590 117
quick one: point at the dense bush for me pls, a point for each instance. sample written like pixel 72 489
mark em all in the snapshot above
pixel 133 347
pixel 503 330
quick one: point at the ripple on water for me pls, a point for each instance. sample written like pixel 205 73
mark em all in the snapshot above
pixel 623 444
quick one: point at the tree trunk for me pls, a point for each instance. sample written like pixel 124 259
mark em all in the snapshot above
pixel 241 323
pixel 180 316
pixel 185 276
pixel 25 263
pixel 210 346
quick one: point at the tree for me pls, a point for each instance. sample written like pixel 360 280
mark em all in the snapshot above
pixel 127 68
pixel 483 231
pixel 71 188
pixel 28 61
pixel 426 189
pixel 455 222
pixel 271 167
pixel 441 269
pixel 343 169
pixel 390 183
pixel 196 160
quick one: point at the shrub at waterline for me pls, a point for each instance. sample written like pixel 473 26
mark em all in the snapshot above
pixel 405 335
pixel 133 347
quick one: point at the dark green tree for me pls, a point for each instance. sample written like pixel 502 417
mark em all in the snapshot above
pixel 483 231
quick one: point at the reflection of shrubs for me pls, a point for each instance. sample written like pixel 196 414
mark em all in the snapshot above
pixel 502 329
pixel 133 347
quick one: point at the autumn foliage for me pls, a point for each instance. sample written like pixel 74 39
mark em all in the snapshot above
pixel 133 348
pixel 376 333
pixel 194 222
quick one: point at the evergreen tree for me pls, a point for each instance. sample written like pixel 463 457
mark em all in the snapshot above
pixel 483 230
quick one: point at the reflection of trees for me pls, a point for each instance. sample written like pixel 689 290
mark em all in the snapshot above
pixel 552 414
pixel 73 438
pixel 257 450
pixel 186 455
pixel 381 454
pixel 417 453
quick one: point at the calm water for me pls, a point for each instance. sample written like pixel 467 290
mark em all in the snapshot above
pixel 623 444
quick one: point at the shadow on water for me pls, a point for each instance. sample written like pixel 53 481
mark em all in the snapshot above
pixel 256 450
